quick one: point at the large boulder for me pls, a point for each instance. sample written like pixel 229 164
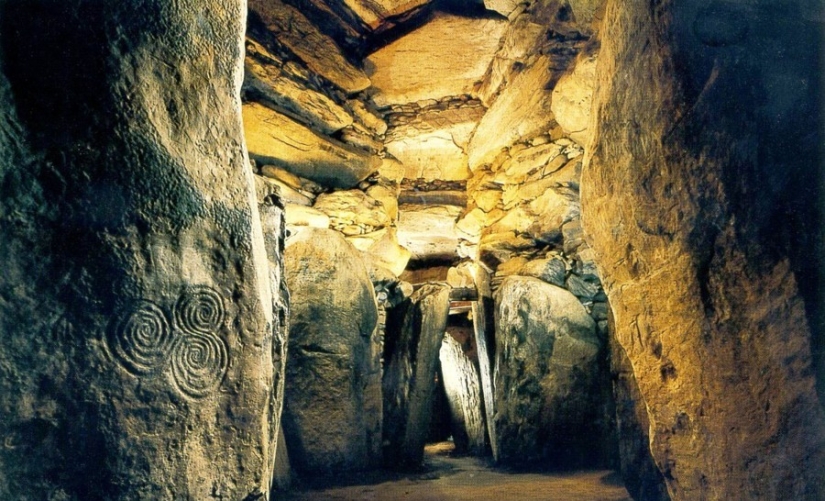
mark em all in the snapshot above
pixel 331 422
pixel 140 351
pixel 705 234
pixel 546 374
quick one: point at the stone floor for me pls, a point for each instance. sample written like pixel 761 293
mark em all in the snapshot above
pixel 446 477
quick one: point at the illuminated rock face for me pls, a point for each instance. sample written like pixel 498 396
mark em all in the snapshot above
pixel 697 256
pixel 139 343
pixel 332 412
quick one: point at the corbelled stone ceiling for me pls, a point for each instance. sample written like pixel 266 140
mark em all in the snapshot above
pixel 245 244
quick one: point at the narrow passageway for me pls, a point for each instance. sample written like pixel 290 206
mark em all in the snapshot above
pixel 446 476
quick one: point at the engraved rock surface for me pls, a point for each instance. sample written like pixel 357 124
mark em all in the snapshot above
pixel 140 335
pixel 332 410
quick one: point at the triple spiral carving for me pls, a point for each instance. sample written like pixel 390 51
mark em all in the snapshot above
pixel 191 350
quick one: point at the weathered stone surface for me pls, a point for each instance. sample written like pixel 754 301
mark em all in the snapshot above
pixel 414 333
pixel 319 52
pixel 428 231
pixel 483 315
pixel 353 212
pixel 140 349
pixel 518 112
pixel 417 67
pixel 503 7
pixel 368 117
pixel 273 138
pixel 572 99
pixel 642 478
pixel 376 14
pixel 329 422
pixel 463 391
pixel 298 215
pixel 388 196
pixel 692 248
pixel 430 142
pixel 265 79
pixel 546 368
pixel 384 250
pixel 304 186
pixel 551 270
pixel 265 187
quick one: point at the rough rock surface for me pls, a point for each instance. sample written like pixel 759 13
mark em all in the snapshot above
pixel 428 231
pixel 463 391
pixel 332 381
pixel 694 251
pixel 304 39
pixel 417 67
pixel 268 78
pixel 546 397
pixel 409 376
pixel 274 138
pixel 572 99
pixel 138 342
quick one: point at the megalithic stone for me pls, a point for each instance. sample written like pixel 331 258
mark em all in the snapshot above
pixel 464 398
pixel 136 315
pixel 409 378
pixel 484 326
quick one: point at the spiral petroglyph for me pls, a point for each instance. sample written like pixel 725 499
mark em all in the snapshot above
pixel 141 339
pixel 199 310
pixel 199 363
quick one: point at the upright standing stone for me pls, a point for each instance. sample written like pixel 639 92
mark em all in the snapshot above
pixel 409 378
pixel 546 375
pixel 694 214
pixel 137 334
pixel 333 380
pixel 463 391
pixel 484 326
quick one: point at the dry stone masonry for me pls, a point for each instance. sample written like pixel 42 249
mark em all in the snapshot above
pixel 246 243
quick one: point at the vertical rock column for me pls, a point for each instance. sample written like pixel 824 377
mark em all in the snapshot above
pixel 409 377
pixel 682 199
pixel 330 420
pixel 136 315
pixel 463 391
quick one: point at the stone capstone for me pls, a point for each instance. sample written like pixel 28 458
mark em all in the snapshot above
pixel 273 138
pixel 332 411
pixel 416 67
pixel 269 79
pixel 318 51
